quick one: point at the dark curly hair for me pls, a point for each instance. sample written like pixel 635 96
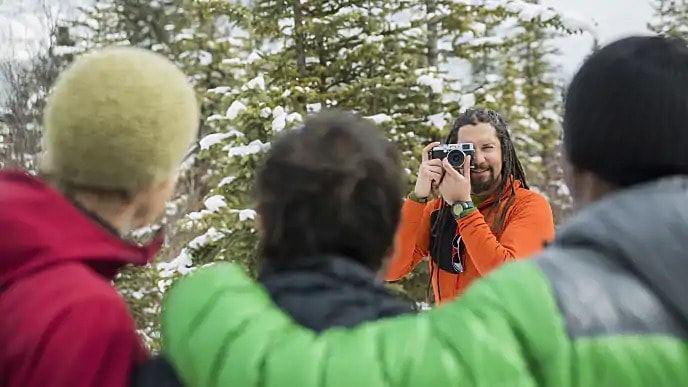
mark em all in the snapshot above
pixel 334 186
pixel 511 166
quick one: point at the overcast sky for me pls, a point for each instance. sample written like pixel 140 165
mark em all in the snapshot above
pixel 615 18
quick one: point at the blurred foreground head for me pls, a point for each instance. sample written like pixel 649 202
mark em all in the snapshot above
pixel 117 126
pixel 332 187
pixel 626 116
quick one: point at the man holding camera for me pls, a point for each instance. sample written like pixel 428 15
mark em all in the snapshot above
pixel 485 214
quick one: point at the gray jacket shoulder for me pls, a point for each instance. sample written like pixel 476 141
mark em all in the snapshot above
pixel 598 297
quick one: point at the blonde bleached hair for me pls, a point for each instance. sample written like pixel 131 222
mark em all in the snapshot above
pixel 118 119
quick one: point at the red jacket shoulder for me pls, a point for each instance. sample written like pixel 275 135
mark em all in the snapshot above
pixel 75 322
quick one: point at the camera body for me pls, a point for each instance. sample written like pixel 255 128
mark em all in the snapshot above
pixel 455 153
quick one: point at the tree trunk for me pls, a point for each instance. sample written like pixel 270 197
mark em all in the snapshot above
pixel 299 45
pixel 432 55
pixel 299 38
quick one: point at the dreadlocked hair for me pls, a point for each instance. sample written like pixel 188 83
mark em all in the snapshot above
pixel 511 165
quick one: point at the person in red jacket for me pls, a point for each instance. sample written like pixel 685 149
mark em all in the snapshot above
pixel 483 216
pixel 116 128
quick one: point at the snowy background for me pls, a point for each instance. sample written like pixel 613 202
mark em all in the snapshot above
pixel 611 24
pixel 248 98
pixel 21 28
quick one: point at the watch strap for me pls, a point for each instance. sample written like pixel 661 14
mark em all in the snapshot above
pixel 467 212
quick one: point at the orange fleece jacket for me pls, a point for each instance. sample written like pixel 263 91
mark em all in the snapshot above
pixel 528 225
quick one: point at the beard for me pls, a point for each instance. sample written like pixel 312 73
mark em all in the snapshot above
pixel 483 183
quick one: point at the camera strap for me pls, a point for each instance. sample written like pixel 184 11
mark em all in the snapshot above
pixel 443 234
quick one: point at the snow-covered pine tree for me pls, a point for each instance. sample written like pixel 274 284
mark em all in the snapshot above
pixel 518 78
pixel 365 56
pixel 26 83
pixel 304 57
pixel 382 59
pixel 670 18
pixel 494 28
pixel 187 35
pixel 540 104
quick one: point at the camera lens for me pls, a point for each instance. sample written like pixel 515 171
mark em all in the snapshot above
pixel 456 158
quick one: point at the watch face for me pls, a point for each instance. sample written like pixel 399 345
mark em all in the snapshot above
pixel 457 208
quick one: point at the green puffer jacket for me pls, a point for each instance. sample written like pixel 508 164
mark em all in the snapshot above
pixel 605 305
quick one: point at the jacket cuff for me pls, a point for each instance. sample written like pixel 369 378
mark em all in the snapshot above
pixel 467 212
pixel 412 196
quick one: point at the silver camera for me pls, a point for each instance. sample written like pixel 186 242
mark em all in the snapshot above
pixel 455 153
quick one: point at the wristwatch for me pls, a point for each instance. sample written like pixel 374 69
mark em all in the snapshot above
pixel 460 208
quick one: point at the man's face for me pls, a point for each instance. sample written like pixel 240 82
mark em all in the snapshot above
pixel 488 156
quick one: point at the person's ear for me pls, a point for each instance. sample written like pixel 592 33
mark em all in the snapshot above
pixel 259 223
pixel 382 272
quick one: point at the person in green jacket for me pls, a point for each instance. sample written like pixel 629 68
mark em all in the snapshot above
pixel 604 305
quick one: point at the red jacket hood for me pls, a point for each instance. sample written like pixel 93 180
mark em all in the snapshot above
pixel 40 227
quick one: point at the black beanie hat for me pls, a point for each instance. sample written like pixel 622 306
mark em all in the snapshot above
pixel 626 111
